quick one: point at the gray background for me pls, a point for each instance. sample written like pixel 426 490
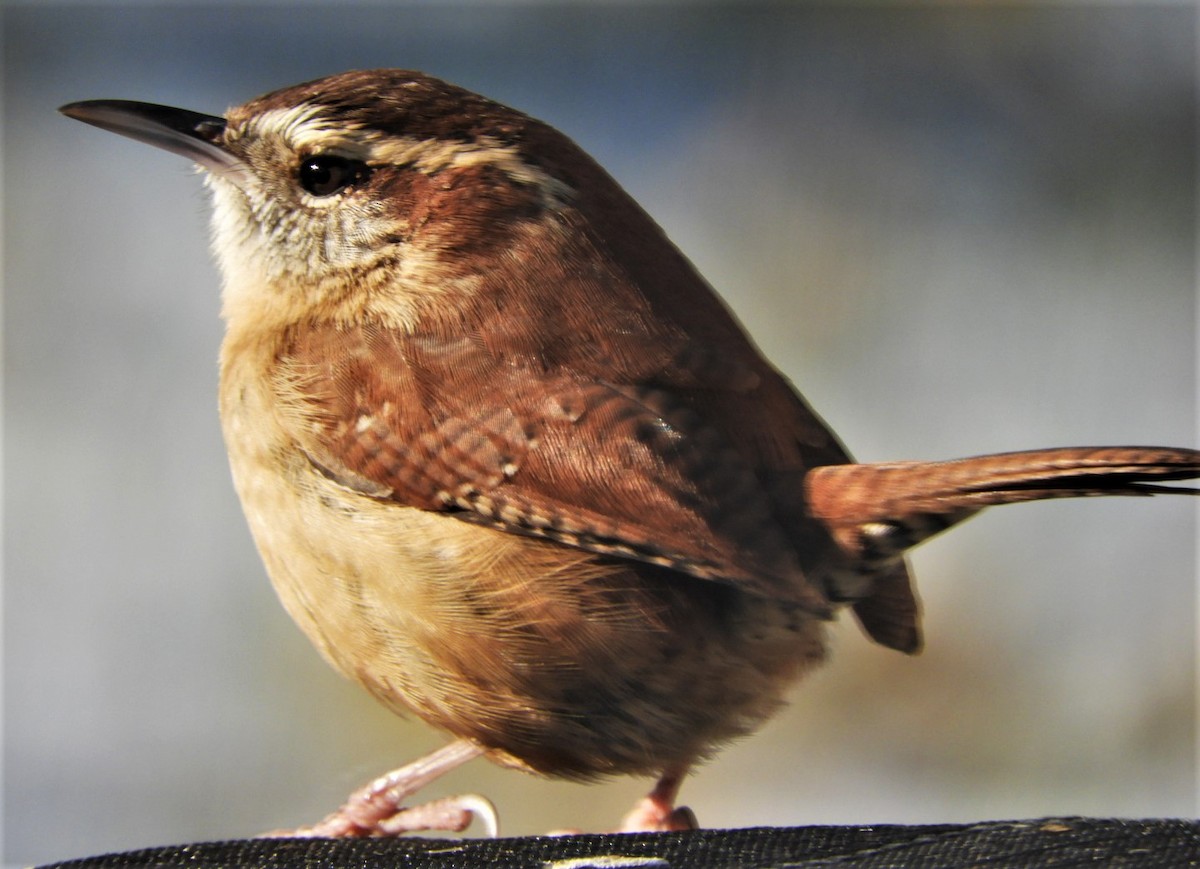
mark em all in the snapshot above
pixel 956 230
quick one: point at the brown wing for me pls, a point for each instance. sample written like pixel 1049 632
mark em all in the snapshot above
pixel 565 373
pixel 623 469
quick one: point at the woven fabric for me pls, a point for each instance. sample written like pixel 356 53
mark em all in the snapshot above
pixel 1058 842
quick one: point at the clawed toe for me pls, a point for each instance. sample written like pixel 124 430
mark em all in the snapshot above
pixel 657 812
pixel 451 815
pixel 378 809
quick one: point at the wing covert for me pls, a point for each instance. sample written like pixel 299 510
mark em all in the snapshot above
pixel 630 470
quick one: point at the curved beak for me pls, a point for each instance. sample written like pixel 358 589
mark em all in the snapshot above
pixel 193 135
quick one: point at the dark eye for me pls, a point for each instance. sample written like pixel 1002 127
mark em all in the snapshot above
pixel 326 174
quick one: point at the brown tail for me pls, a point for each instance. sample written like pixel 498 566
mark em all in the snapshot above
pixel 875 512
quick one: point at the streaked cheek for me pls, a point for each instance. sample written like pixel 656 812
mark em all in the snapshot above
pixel 356 232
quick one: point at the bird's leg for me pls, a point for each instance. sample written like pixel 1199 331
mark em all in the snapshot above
pixel 656 812
pixel 377 809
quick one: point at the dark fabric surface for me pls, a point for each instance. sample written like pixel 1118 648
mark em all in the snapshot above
pixel 1058 842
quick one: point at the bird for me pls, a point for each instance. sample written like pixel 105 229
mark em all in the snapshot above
pixel 511 463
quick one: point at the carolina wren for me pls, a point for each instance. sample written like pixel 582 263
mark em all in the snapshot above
pixel 510 462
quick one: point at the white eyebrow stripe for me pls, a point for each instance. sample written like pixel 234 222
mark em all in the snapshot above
pixel 305 130
pixel 431 155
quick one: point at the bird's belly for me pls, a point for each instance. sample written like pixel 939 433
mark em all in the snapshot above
pixel 554 659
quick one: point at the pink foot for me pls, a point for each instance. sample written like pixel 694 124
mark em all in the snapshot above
pixel 649 817
pixel 378 810
pixel 657 813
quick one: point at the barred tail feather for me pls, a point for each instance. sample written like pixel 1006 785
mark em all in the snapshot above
pixel 877 511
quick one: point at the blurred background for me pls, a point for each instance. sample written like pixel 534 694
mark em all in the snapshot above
pixel 957 230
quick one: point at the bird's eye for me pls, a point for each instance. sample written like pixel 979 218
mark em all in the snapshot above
pixel 326 174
